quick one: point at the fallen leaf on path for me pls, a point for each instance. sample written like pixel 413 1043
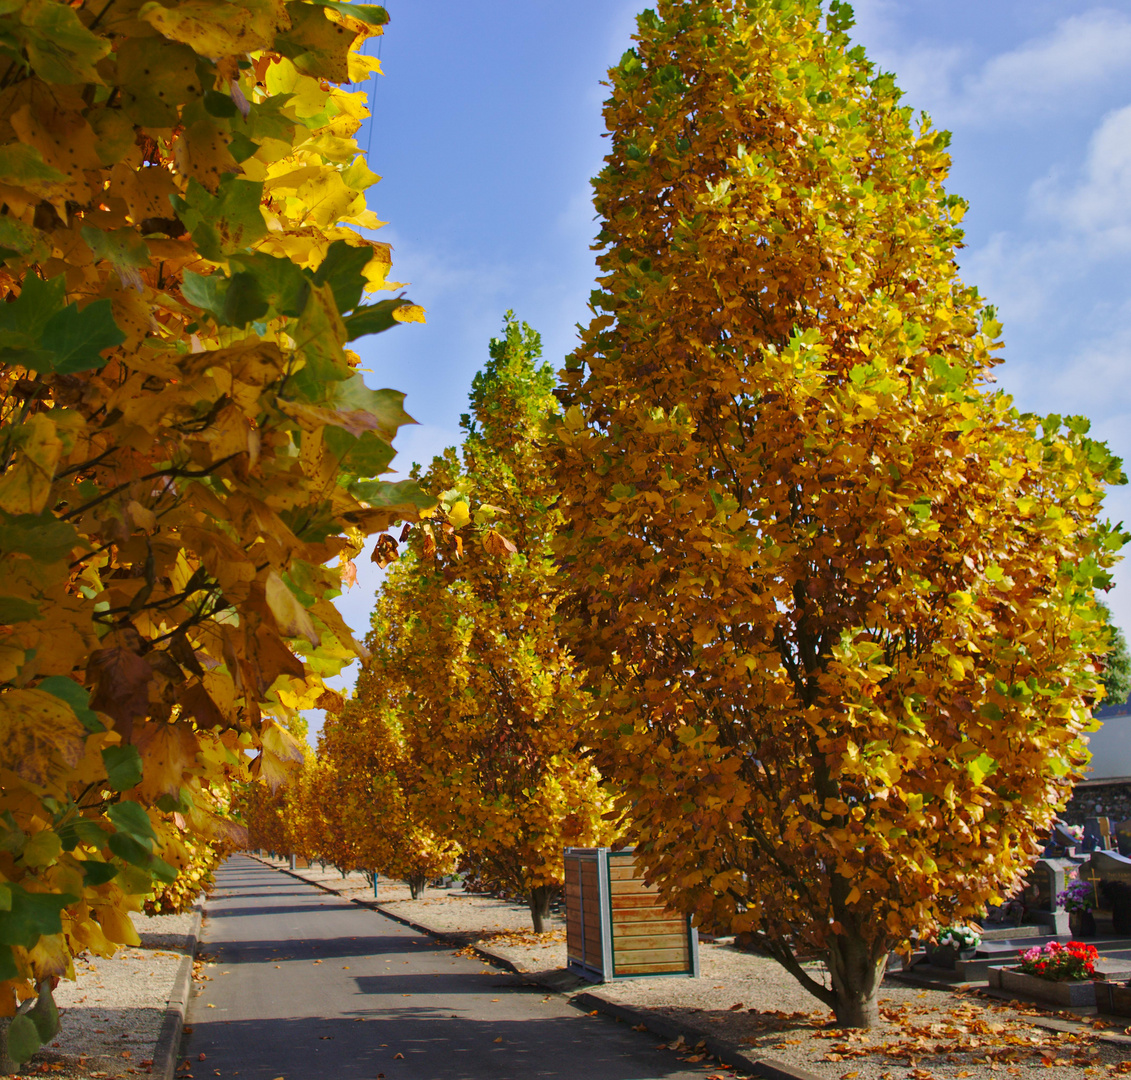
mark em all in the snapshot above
pixel 499 1039
pixel 401 1056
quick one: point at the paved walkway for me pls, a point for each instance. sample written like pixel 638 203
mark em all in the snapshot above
pixel 306 986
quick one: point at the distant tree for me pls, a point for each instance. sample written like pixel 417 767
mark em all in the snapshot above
pixel 1116 663
pixel 466 650
pixel 835 597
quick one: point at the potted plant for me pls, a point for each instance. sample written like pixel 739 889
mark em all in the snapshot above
pixel 1078 899
pixel 954 943
pixel 1054 973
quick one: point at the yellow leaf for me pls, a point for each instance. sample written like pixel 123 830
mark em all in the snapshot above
pixel 37 729
pixel 292 618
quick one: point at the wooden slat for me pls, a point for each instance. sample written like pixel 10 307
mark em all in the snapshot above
pixel 653 941
pixel 623 873
pixel 673 967
pixel 633 887
pixel 650 956
pixel 637 900
pixel 644 929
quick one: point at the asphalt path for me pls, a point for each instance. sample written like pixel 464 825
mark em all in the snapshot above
pixel 306 986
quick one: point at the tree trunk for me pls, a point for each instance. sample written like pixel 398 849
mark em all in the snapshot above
pixel 856 973
pixel 540 898
pixel 416 885
pixel 7 1066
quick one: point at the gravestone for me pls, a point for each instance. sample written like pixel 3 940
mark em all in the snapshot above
pixel 1097 834
pixel 1050 876
pixel 1110 873
pixel 1123 837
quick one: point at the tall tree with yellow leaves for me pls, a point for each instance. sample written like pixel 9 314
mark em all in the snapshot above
pixel 466 653
pixel 835 597
pixel 185 439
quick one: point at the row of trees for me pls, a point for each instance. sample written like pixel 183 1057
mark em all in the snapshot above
pixel 186 444
pixel 815 599
pixel 464 743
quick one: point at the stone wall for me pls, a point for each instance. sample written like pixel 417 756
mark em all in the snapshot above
pixel 1099 800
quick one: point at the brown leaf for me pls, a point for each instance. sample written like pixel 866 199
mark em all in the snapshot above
pixel 497 544
pixel 121 686
pixel 196 702
pixel 385 551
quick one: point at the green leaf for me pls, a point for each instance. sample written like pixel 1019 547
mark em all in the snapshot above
pixel 21 165
pixel 131 818
pixel 367 455
pixel 241 147
pixel 76 339
pixel 97 873
pixel 22 322
pixel 59 48
pixel 373 319
pixel 205 291
pixel 45 1015
pixel 119 247
pixel 32 916
pixel 76 696
pixel 130 849
pixel 281 282
pixel 8 968
pixel 243 301
pixel 225 222
pixel 342 270
pixel 162 870
pixel 123 766
pixel 14 610
pixel 981 767
pixel 43 536
pixel 23 1039
pixel 217 104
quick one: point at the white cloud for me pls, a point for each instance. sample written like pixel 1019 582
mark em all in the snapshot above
pixel 1050 74
pixel 1098 208
pixel 1082 53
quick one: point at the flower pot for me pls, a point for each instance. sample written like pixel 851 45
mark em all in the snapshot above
pixel 946 956
pixel 1082 924
pixel 1067 995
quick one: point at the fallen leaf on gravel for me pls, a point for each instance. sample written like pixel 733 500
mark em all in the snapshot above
pixel 735 1006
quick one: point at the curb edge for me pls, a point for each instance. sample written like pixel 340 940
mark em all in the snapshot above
pixel 172 1026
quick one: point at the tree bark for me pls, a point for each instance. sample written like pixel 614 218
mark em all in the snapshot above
pixel 416 885
pixel 856 971
pixel 539 901
pixel 7 1066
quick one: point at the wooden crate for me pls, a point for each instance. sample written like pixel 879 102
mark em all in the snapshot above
pixel 616 926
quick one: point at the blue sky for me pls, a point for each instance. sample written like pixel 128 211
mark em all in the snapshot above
pixel 488 127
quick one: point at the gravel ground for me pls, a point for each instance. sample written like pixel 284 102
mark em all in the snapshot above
pixel 752 1002
pixel 111 1015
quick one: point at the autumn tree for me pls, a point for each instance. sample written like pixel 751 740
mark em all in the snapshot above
pixel 834 595
pixel 185 439
pixel 374 814
pixel 466 652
